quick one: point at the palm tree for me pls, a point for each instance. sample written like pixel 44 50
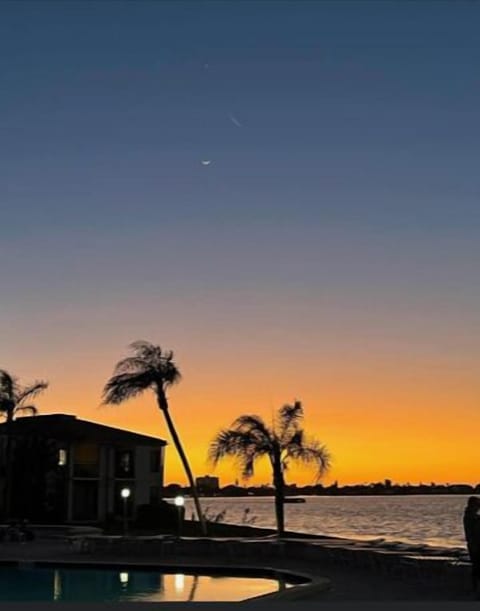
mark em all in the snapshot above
pixel 249 439
pixel 15 401
pixel 153 369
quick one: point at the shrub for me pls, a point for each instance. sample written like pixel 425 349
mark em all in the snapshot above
pixel 161 515
pixel 214 518
pixel 247 519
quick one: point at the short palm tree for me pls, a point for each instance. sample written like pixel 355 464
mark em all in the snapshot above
pixel 249 439
pixel 151 368
pixel 15 400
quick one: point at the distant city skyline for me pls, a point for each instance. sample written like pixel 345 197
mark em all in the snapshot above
pixel 328 253
pixel 358 488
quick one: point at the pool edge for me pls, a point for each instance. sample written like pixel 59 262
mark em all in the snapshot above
pixel 303 585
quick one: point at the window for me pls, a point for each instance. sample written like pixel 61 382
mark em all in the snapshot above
pixel 124 464
pixel 86 460
pixel 62 457
pixel 155 461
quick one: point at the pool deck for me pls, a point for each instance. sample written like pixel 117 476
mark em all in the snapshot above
pixel 350 580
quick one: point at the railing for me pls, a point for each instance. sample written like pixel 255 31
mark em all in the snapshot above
pixel 86 470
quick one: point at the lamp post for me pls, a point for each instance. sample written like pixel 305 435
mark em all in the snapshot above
pixel 179 504
pixel 125 493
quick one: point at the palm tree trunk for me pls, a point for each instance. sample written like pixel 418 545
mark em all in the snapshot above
pixel 163 405
pixel 279 512
pixel 278 484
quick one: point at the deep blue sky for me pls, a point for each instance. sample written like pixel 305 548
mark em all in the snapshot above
pixel 352 112
pixel 341 220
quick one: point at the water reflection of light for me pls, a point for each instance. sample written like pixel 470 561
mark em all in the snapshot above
pixel 179 583
pixel 57 586
pixel 124 578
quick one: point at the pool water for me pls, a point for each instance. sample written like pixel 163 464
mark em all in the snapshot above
pixel 107 585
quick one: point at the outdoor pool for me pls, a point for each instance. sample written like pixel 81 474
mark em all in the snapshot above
pixel 98 584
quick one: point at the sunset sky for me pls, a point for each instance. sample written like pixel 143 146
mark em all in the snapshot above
pixel 328 253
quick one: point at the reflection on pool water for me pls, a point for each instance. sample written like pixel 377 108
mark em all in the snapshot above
pixel 97 585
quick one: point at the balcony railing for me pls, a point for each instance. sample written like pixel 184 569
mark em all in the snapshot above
pixel 86 470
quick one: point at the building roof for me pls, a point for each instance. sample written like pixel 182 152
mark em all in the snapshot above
pixel 64 427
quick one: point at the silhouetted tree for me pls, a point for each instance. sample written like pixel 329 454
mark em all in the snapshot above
pixel 249 439
pixel 15 400
pixel 150 368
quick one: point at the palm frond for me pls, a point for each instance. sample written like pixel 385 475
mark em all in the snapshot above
pixel 147 351
pixel 126 386
pixel 29 392
pixel 233 442
pixel 141 346
pixel 244 446
pixel 228 442
pixel 132 363
pixel 253 424
pixel 247 465
pixel 289 417
pixel 169 371
pixel 295 440
pixel 150 358
pixel 31 410
pixel 13 396
pixel 311 452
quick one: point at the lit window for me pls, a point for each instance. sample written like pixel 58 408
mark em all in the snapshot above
pixel 62 457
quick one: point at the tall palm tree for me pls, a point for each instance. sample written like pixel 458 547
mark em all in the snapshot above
pixel 249 439
pixel 15 400
pixel 151 368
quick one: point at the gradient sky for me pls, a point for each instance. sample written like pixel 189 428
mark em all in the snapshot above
pixel 329 253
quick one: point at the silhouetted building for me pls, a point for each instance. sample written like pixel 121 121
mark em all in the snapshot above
pixel 207 484
pixel 69 470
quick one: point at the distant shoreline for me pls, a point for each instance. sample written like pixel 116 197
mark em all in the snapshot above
pixel 331 494
pixel 386 488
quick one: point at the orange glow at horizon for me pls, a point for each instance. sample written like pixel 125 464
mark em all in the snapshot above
pixel 406 424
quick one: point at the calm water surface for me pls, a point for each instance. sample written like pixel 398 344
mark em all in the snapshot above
pixel 99 585
pixel 432 520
